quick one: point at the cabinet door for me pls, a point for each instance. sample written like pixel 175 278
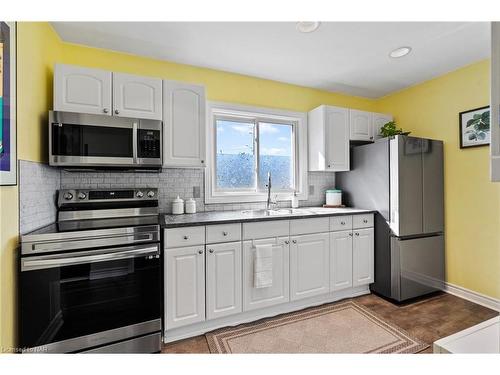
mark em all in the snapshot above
pixel 362 257
pixel 137 96
pixel 84 90
pixel 379 120
pixel 256 298
pixel 184 286
pixel 309 265
pixel 340 260
pixel 184 125
pixel 337 139
pixel 361 128
pixel 224 294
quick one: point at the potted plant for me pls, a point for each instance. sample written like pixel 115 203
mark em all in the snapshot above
pixel 389 130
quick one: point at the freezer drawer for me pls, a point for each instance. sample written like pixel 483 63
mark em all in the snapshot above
pixel 417 266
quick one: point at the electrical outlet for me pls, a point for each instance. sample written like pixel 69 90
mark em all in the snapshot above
pixel 196 192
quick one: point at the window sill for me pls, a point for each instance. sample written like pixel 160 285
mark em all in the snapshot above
pixel 250 198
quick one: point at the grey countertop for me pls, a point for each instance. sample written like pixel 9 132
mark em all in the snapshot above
pixel 225 217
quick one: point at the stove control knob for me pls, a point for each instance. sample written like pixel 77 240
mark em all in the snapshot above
pixel 139 194
pixel 151 194
pixel 82 195
pixel 68 196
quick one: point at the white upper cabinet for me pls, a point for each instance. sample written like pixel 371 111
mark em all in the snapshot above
pixel 379 120
pixel 137 96
pixel 184 125
pixel 85 90
pixel 328 135
pixel 361 125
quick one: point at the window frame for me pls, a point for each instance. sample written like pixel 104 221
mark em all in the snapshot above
pixel 298 120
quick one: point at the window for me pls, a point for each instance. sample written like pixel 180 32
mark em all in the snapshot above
pixel 246 144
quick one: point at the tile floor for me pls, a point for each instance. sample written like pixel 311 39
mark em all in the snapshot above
pixel 428 319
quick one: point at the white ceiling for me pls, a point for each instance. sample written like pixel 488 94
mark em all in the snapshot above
pixel 347 57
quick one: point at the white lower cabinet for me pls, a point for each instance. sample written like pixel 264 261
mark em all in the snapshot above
pixel 256 298
pixel 363 257
pixel 185 286
pixel 223 279
pixel 309 265
pixel 340 260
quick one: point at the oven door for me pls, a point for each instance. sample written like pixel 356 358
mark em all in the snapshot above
pixel 82 140
pixel 78 300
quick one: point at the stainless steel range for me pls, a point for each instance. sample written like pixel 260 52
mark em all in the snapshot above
pixel 92 281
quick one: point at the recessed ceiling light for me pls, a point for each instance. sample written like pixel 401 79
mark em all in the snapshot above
pixel 400 52
pixel 307 26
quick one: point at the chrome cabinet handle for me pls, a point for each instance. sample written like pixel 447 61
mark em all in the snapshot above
pixel 365 221
pixel 224 233
pixel 186 237
pixel 342 222
pixel 357 234
pixel 211 251
pixel 203 161
pixel 117 112
pixel 287 242
pixel 200 252
pixel 105 110
pixel 350 234
pixel 294 241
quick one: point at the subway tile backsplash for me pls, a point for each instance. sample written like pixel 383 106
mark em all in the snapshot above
pixel 37 195
pixel 39 182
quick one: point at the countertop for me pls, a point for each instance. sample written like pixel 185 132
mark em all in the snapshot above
pixel 225 217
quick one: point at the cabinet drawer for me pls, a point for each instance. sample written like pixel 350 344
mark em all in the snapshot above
pixel 266 229
pixel 362 221
pixel 306 226
pixel 223 233
pixel 186 236
pixel 340 223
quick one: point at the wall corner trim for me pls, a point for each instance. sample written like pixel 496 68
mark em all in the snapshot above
pixel 472 296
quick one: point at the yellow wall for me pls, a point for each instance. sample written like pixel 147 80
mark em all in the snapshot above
pixel 39 48
pixel 472 202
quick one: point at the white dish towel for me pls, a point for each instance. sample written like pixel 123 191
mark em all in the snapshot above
pixel 263 266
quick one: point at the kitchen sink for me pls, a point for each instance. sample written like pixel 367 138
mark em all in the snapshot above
pixel 277 212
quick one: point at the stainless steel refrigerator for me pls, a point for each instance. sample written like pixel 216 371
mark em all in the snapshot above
pixel 402 179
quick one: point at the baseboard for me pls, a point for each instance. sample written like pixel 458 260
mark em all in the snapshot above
pixel 470 295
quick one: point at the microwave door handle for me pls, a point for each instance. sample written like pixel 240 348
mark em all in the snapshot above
pixel 134 142
pixel 28 264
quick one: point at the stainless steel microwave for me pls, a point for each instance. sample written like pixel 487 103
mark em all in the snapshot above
pixel 78 140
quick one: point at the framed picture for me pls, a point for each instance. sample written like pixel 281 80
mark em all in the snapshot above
pixel 475 127
pixel 8 103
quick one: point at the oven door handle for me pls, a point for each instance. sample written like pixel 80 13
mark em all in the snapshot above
pixel 61 261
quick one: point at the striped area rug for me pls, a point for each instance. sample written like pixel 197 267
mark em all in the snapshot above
pixel 343 327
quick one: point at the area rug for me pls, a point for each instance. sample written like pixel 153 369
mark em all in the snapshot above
pixel 344 327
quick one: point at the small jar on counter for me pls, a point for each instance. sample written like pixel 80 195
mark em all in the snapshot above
pixel 177 206
pixel 334 197
pixel 190 206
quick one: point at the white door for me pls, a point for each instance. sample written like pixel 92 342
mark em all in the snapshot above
pixel 361 127
pixel 340 260
pixel 309 265
pixel 184 286
pixel 137 96
pixel 256 298
pixel 337 138
pixel 184 125
pixel 379 120
pixel 224 294
pixel 362 257
pixel 84 90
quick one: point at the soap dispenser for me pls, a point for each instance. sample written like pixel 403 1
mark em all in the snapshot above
pixel 295 200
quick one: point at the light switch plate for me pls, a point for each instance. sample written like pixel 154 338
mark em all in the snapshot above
pixel 196 192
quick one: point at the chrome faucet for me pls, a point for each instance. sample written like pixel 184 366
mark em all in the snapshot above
pixel 268 190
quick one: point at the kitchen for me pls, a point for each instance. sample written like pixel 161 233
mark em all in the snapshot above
pixel 164 194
